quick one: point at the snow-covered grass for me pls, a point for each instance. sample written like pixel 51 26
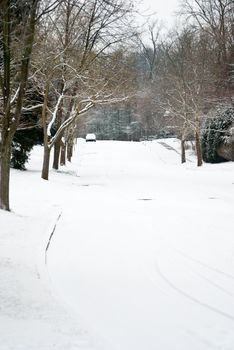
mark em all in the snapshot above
pixel 142 256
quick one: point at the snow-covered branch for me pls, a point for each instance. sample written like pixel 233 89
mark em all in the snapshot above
pixel 54 115
pixel 15 95
pixel 27 109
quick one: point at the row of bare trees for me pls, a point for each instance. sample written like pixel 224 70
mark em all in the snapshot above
pixel 64 49
pixel 188 71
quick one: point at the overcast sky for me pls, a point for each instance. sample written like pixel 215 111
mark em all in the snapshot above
pixel 164 8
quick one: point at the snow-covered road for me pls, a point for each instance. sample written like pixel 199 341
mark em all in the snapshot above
pixel 146 256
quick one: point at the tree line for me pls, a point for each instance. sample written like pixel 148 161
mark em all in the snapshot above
pixel 71 65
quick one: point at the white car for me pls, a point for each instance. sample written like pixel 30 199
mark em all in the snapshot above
pixel 90 138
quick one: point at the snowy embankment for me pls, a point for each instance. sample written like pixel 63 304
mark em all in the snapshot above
pixel 142 256
pixel 31 315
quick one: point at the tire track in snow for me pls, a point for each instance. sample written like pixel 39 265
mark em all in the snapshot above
pixel 202 265
pixel 216 285
pixel 170 148
pixel 188 257
pixel 190 297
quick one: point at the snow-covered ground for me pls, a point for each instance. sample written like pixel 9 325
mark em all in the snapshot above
pixel 142 257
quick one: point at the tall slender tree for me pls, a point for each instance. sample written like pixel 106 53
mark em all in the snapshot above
pixel 16 27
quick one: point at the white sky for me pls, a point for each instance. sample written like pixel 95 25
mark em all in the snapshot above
pixel 163 8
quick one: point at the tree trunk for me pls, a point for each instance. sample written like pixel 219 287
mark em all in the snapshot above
pixel 46 163
pixel 69 151
pixel 63 154
pixel 57 148
pixel 5 176
pixel 198 148
pixel 57 144
pixel 46 155
pixel 183 155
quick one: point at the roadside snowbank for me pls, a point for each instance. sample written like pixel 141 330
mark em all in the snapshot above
pixel 31 315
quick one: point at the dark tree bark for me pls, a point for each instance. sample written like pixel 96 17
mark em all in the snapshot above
pixel 63 154
pixel 198 148
pixel 47 149
pixel 5 175
pixel 183 155
pixel 69 151
pixel 46 163
pixel 57 148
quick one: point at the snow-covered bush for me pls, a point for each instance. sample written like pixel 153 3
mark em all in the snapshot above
pixel 217 131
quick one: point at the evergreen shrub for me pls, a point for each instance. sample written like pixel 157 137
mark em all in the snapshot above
pixel 215 133
pixel 22 144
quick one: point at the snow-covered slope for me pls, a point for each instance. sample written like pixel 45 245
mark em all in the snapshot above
pixel 142 256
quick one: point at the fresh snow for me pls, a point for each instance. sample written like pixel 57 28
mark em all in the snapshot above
pixel 141 256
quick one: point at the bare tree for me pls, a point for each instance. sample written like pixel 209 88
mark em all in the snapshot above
pixel 215 18
pixel 76 71
pixel 187 82
pixel 151 49
pixel 149 61
pixel 15 60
